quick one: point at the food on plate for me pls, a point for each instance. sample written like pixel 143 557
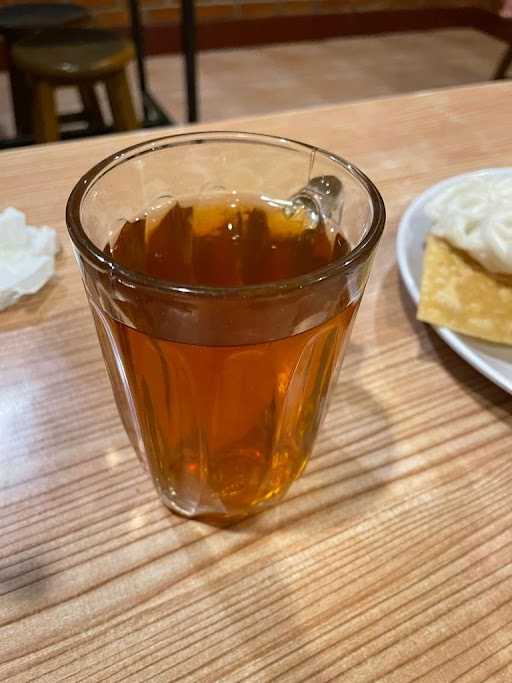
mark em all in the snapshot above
pixel 467 268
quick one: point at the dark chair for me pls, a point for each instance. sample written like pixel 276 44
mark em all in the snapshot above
pixel 81 58
pixel 20 21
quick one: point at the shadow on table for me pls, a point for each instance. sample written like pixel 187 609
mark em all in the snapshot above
pixel 33 309
pixel 283 561
pixel 267 579
pixel 29 576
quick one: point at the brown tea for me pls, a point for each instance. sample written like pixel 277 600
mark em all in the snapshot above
pixel 228 427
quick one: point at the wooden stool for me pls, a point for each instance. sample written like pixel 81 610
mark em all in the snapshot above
pixel 21 21
pixel 80 58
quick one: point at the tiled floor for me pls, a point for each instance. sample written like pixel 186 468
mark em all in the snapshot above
pixel 244 82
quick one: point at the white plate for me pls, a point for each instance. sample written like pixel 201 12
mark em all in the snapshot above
pixel 492 360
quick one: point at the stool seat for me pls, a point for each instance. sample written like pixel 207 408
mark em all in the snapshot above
pixel 79 57
pixel 73 54
pixel 20 21
pixel 34 17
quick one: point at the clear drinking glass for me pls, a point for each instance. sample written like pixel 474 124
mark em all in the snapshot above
pixel 222 389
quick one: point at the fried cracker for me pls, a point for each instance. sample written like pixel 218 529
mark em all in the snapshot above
pixel 456 292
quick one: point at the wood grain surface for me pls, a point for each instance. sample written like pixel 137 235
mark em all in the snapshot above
pixel 390 560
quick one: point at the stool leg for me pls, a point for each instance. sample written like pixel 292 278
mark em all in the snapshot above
pixel 91 106
pixel 120 100
pixel 501 70
pixel 20 90
pixel 20 96
pixel 46 126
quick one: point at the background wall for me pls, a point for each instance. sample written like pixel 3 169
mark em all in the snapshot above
pixel 113 13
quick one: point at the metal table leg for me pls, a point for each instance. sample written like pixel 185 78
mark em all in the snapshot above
pixel 154 115
pixel 188 46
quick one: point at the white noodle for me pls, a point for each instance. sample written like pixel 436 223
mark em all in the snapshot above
pixel 476 216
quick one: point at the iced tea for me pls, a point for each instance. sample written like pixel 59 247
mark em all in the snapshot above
pixel 227 428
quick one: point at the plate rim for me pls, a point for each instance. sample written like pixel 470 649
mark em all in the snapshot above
pixel 453 339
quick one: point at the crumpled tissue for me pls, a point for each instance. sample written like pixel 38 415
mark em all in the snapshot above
pixel 27 256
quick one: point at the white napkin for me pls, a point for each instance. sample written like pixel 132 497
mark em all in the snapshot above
pixel 27 256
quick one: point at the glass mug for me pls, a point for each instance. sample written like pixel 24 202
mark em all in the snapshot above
pixel 222 389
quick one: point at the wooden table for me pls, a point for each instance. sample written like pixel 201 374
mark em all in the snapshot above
pixel 390 560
